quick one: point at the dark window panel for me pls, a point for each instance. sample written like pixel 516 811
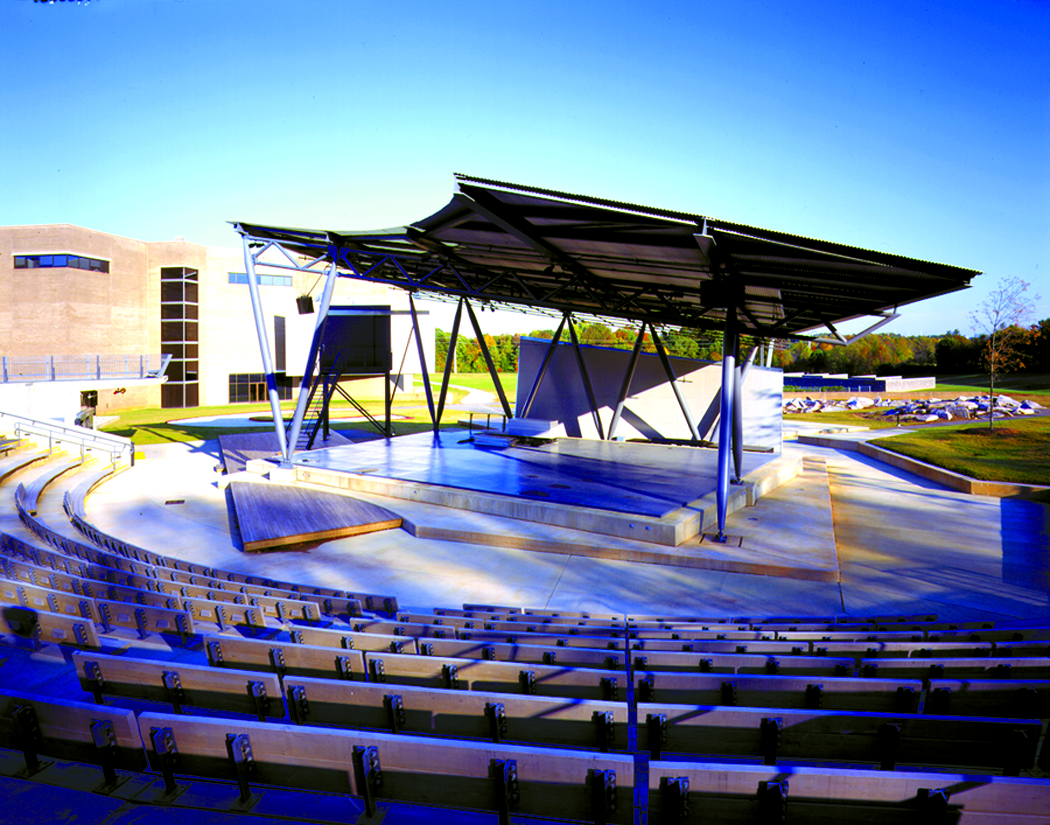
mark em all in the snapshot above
pixel 169 311
pixel 191 291
pixel 171 291
pixel 171 331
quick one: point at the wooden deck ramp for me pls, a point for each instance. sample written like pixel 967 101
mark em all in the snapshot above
pixel 277 515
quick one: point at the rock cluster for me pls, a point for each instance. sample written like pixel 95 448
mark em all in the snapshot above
pixel 922 410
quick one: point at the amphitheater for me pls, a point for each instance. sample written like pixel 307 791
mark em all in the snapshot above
pixel 853 643
pixel 152 669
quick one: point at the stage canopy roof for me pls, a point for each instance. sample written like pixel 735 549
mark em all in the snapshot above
pixel 538 249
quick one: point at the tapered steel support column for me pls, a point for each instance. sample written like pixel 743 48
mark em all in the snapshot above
pixel 738 412
pixel 725 421
pixel 586 378
pixel 422 360
pixel 450 356
pixel 312 360
pixel 673 380
pixel 488 360
pixel 625 388
pixel 547 356
pixel 264 349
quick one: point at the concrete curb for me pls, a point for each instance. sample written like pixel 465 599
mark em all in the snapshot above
pixel 956 481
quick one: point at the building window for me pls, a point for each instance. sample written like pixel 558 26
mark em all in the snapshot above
pixel 251 387
pixel 61 260
pixel 279 360
pixel 264 280
pixel 179 336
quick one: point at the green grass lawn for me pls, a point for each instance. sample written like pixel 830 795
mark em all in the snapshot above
pixel 1015 450
pixel 1034 385
pixel 860 418
pixel 151 425
pixel 479 381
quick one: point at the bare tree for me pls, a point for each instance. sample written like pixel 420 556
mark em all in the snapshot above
pixel 1003 317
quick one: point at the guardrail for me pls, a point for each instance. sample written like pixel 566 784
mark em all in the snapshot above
pixel 79 437
pixel 23 368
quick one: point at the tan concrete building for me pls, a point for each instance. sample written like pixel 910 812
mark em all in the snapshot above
pixel 74 293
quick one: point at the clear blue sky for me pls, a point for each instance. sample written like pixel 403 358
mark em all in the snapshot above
pixel 915 128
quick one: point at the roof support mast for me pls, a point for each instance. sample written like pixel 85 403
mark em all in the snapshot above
pixel 725 419
pixel 264 348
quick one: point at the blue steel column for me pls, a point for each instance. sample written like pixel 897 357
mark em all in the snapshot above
pixel 595 414
pixel 524 412
pixel 264 348
pixel 488 359
pixel 672 379
pixel 422 360
pixel 725 420
pixel 450 356
pixel 311 359
pixel 742 368
pixel 625 389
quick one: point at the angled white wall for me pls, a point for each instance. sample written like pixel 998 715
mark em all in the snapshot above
pixel 651 410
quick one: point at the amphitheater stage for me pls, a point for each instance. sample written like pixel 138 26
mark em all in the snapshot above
pixel 652 494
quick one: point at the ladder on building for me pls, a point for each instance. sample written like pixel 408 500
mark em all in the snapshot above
pixel 316 408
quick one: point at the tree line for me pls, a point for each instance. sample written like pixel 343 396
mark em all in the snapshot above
pixel 876 354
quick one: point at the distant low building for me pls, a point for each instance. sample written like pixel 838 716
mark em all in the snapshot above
pixel 801 382
pixel 75 294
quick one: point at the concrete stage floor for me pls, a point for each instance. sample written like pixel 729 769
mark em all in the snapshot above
pixel 653 493
pixel 624 477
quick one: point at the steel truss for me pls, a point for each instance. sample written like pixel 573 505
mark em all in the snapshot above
pixel 419 264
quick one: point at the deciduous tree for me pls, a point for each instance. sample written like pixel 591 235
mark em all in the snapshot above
pixel 1003 317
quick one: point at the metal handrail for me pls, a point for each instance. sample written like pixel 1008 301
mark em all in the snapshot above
pixel 82 437
pixel 33 368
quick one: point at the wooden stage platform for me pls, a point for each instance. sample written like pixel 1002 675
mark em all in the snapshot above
pixel 271 515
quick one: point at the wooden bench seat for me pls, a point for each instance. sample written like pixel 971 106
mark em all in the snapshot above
pixel 38 627
pixel 1025 698
pixel 1035 667
pixel 526 638
pixel 500 677
pixel 744 794
pixel 754 646
pixel 906 649
pixel 45 599
pixel 17 460
pixel 881 739
pixel 495 717
pixel 829 692
pixel 349 640
pixel 67 729
pixel 703 662
pixel 462 775
pixel 144 619
pixel 556 628
pixel 539 654
pixel 28 495
pixel 558 613
pixel 284 658
pixel 180 684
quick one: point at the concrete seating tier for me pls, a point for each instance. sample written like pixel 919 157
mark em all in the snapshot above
pixel 275 687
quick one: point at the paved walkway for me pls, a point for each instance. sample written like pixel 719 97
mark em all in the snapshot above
pixel 905 546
